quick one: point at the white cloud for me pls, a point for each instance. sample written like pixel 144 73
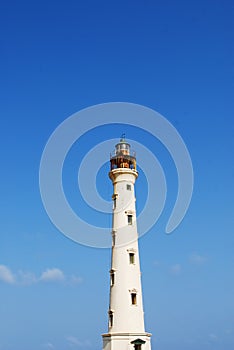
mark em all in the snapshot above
pixel 6 275
pixel 156 263
pixel 26 278
pixel 213 337
pixel 52 275
pixel 75 279
pixel 175 269
pixel 49 346
pixel 76 343
pixel 197 259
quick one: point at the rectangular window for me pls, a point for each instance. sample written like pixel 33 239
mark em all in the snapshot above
pixel 137 346
pixel 111 318
pixel 134 298
pixel 114 197
pixel 129 219
pixel 113 240
pixel 129 188
pixel 132 258
pixel 112 278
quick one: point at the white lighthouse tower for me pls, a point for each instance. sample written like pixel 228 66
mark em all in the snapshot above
pixel 126 330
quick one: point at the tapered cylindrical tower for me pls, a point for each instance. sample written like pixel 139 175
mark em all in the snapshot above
pixel 126 330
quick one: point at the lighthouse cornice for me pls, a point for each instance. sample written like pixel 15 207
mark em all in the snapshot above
pixel 113 174
pixel 145 334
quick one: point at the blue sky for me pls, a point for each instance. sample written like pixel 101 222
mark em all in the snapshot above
pixel 57 58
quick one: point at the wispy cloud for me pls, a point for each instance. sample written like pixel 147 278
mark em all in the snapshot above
pixel 156 263
pixel 26 278
pixel 52 275
pixel 175 269
pixel 6 275
pixel 213 337
pixel 76 279
pixel 194 259
pixel 48 346
pixel 197 259
pixel 76 343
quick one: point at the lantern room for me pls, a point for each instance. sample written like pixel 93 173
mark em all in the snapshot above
pixel 123 156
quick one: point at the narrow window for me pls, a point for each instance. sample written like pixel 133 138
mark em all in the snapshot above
pixel 132 258
pixel 112 275
pixel 129 188
pixel 134 298
pixel 129 219
pixel 114 197
pixel 113 240
pixel 137 346
pixel 111 318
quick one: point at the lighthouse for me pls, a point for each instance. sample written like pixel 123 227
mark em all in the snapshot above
pixel 126 330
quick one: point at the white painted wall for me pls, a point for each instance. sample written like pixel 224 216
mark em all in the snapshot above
pixel 128 319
